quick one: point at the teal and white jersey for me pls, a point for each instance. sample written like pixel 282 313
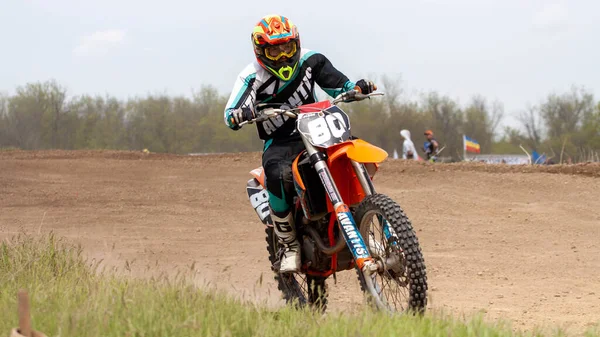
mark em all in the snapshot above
pixel 256 85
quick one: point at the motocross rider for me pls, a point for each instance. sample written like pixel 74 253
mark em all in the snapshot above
pixel 285 74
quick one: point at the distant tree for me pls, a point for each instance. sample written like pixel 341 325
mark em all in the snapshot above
pixel 27 110
pixel 41 116
pixel 564 114
pixel 564 117
pixel 6 131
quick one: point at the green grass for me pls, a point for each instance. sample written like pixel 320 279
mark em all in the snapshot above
pixel 71 297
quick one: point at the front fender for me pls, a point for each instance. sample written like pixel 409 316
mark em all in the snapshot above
pixel 359 151
pixel 342 172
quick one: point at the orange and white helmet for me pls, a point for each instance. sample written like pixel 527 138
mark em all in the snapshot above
pixel 277 45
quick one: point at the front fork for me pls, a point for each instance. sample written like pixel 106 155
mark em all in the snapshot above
pixel 346 221
pixel 367 185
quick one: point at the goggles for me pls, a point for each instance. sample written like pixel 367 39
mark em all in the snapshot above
pixel 275 52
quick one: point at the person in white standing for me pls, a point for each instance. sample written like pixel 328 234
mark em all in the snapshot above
pixel 408 147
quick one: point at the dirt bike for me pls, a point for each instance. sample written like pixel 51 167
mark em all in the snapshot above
pixel 341 222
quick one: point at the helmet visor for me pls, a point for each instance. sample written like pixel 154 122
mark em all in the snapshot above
pixel 275 52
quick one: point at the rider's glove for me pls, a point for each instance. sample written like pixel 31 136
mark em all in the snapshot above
pixel 366 87
pixel 240 115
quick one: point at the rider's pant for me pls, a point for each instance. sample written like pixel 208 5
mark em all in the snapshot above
pixel 277 162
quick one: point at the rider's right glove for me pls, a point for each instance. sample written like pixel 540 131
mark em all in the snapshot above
pixel 240 115
pixel 366 87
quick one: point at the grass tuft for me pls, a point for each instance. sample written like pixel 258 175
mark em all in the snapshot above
pixel 71 297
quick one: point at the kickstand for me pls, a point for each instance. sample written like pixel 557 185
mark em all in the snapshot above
pixel 334 278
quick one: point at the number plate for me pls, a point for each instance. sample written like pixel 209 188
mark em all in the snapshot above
pixel 325 128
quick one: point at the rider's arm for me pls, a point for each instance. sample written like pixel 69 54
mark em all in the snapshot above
pixel 242 95
pixel 331 80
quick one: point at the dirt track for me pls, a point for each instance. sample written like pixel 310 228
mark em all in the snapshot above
pixel 515 242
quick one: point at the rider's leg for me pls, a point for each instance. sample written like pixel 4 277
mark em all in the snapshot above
pixel 277 161
pixel 285 229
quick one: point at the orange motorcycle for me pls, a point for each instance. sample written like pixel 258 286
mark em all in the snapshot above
pixel 342 223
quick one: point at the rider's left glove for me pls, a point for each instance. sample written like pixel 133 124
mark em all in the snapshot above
pixel 366 87
pixel 240 115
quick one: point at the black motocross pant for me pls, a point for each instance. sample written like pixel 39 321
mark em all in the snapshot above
pixel 277 162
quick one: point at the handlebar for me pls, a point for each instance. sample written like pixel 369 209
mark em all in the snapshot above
pixel 354 96
pixel 345 97
pixel 271 112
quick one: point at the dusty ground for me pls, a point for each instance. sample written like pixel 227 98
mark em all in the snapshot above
pixel 514 242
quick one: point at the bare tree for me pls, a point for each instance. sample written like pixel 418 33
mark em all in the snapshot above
pixel 56 96
pixel 481 120
pixel 495 116
pixel 393 91
pixel 533 126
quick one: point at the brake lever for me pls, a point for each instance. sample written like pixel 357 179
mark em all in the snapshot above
pixel 360 97
pixel 268 113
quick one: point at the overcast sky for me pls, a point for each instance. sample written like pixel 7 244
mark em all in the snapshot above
pixel 516 51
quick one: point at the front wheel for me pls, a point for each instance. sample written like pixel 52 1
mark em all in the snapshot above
pixel 402 284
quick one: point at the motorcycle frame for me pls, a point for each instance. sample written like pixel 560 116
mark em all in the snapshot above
pixel 337 205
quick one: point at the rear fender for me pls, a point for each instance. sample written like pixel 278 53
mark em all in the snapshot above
pixel 259 175
pixel 258 196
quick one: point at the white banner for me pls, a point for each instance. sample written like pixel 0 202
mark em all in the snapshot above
pixel 510 159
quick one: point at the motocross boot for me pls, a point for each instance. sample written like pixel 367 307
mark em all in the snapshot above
pixel 283 224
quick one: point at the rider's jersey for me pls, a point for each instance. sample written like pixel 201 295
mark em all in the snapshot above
pixel 255 85
pixel 429 148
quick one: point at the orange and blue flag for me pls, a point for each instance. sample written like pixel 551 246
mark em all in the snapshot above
pixel 471 145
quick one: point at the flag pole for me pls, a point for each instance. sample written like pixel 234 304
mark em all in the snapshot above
pixel 464 148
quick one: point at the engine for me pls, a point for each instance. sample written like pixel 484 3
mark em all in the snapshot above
pixel 315 259
pixel 312 256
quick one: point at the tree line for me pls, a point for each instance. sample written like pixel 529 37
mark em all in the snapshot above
pixel 42 115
